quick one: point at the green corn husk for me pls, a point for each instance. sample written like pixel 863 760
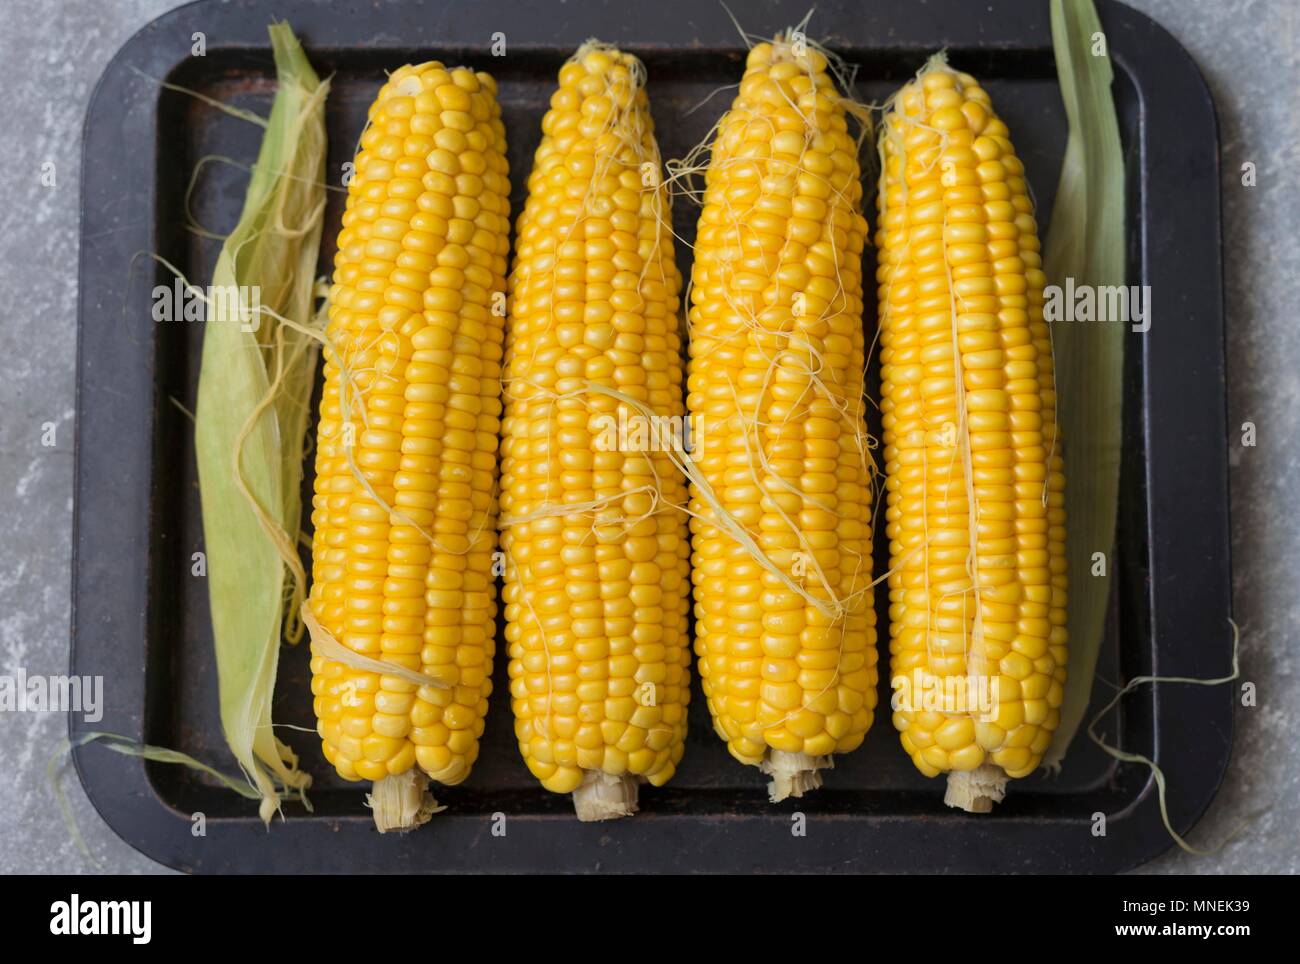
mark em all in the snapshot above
pixel 254 394
pixel 1085 242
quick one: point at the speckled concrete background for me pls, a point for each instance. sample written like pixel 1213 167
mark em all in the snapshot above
pixel 1247 50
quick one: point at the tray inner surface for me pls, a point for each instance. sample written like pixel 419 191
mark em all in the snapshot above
pixel 181 703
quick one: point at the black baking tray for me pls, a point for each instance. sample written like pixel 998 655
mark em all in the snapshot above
pixel 141 620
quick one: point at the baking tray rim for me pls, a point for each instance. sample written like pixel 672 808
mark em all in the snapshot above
pixel 125 797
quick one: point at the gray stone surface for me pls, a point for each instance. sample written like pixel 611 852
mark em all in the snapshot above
pixel 53 54
pixel 1248 53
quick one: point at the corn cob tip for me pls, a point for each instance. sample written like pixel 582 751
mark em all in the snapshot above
pixel 604 796
pixel 789 46
pixel 975 791
pixel 402 802
pixel 793 774
pixel 596 57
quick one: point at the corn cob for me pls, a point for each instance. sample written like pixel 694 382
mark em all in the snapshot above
pixel 785 629
pixel 594 534
pixel 975 481
pixel 404 506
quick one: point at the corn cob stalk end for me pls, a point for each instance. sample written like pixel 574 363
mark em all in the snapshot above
pixel 402 802
pixel 793 774
pixel 975 791
pixel 604 796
